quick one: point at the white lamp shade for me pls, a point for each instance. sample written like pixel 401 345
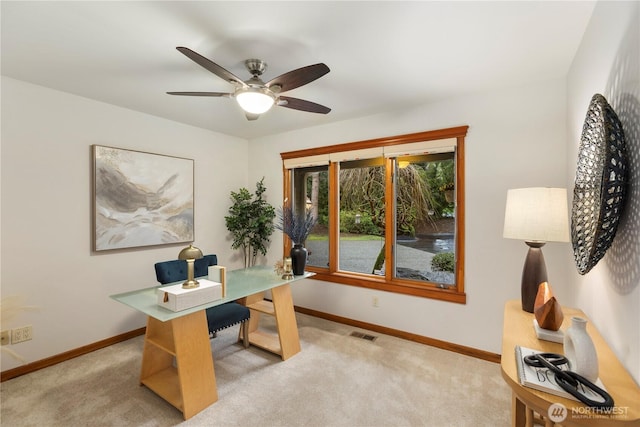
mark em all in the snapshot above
pixel 537 215
pixel 254 102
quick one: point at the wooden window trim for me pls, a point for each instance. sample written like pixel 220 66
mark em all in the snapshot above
pixel 388 283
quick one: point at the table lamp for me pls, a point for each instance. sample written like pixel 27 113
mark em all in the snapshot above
pixel 190 254
pixel 536 215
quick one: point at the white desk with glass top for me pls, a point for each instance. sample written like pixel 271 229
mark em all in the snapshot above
pixel 190 383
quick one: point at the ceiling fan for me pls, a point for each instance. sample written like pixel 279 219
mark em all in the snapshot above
pixel 256 97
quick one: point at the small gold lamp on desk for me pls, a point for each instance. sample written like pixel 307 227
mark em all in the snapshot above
pixel 190 254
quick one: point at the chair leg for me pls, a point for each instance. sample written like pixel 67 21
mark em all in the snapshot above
pixel 245 333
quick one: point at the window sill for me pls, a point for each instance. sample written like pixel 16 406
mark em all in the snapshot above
pixel 427 290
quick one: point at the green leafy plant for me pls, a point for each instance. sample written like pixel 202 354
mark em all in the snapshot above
pixel 250 221
pixel 357 223
pixel 443 261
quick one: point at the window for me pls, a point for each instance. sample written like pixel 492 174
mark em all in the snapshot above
pixel 424 192
pixel 390 212
pixel 313 193
pixel 361 190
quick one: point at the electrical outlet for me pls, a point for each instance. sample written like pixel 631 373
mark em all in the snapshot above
pixel 374 301
pixel 5 337
pixel 21 334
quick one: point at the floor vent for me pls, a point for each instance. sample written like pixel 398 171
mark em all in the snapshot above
pixel 363 336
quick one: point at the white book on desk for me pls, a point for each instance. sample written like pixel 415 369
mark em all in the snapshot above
pixel 177 298
pixel 543 379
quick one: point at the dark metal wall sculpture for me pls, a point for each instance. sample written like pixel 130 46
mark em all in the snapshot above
pixel 601 178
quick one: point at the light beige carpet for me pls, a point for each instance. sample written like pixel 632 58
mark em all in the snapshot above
pixel 337 380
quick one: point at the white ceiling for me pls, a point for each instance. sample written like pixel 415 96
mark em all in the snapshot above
pixel 383 55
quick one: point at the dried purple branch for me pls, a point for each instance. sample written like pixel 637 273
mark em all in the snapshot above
pixel 296 226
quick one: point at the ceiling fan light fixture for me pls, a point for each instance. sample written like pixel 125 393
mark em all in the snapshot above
pixel 254 96
pixel 255 100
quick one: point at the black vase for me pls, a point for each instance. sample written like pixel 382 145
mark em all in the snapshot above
pixel 298 259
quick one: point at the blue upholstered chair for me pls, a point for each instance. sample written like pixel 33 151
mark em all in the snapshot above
pixel 218 317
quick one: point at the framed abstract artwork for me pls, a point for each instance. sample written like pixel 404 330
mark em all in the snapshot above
pixel 141 199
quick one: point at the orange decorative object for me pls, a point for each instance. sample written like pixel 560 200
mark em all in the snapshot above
pixel 547 309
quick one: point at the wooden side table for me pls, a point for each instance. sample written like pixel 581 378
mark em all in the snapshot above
pixel 518 330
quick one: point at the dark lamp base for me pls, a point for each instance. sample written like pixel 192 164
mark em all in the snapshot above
pixel 533 273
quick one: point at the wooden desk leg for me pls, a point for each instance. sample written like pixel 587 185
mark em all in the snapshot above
pixel 195 363
pixel 287 342
pixel 191 385
pixel 254 320
pixel 286 321
pixel 518 412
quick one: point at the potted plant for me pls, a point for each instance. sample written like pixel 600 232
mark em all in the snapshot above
pixel 297 227
pixel 250 221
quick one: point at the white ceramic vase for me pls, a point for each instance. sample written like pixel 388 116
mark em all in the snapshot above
pixel 579 349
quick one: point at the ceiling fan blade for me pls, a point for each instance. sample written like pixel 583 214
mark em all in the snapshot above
pixel 299 77
pixel 228 95
pixel 211 66
pixel 302 105
pixel 252 116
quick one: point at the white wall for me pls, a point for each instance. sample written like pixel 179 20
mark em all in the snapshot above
pixel 608 62
pixel 46 212
pixel 516 138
